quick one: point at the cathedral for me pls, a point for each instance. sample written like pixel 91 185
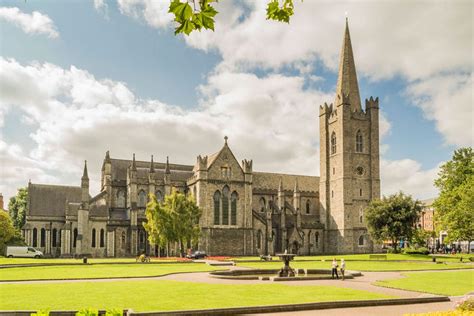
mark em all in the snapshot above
pixel 244 212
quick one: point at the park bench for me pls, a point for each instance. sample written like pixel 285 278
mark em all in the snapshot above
pixel 266 257
pixel 378 257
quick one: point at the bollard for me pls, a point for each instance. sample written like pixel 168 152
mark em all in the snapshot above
pixel 434 259
pixel 84 260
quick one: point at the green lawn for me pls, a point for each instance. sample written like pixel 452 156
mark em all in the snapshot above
pixel 166 295
pixel 451 283
pixel 361 265
pixel 9 261
pixel 99 271
pixel 362 257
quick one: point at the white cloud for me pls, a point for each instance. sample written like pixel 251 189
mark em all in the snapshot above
pixel 448 100
pixel 34 23
pixel 76 116
pixel 383 36
pixel 407 175
pixel 155 13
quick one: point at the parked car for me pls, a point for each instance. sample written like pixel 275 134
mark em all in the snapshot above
pixel 23 252
pixel 197 255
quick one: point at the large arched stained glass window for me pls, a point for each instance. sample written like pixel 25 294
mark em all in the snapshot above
pixel 217 204
pixel 233 208
pixel 225 206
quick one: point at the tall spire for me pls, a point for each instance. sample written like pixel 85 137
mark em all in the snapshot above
pixel 347 78
pixel 85 175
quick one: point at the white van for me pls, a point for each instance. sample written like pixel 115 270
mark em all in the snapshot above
pixel 23 251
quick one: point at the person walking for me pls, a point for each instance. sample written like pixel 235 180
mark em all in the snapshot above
pixel 343 268
pixel 334 269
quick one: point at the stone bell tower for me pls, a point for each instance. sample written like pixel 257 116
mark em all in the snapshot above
pixel 349 160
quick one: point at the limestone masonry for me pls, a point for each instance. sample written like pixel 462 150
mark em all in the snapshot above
pixel 244 212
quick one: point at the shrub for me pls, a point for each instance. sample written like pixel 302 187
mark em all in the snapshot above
pixel 113 312
pixel 43 312
pixel 415 251
pixel 392 250
pixel 466 305
pixel 88 312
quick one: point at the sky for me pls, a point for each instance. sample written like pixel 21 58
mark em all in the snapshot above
pixel 78 78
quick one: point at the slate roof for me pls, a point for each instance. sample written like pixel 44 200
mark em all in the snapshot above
pixel 50 200
pixel 270 181
pixel 178 172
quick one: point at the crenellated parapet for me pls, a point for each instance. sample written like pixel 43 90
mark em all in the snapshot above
pixel 371 103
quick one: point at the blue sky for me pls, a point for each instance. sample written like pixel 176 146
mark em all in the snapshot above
pixel 258 81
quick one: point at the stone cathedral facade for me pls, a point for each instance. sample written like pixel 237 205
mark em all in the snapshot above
pixel 245 212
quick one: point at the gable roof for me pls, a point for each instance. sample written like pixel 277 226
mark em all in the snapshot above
pixel 270 181
pixel 120 166
pixel 50 200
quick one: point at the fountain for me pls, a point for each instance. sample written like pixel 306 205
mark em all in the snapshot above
pixel 286 271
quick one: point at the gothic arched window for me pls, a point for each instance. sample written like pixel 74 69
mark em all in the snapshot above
pixel 361 215
pixel 359 142
pixel 102 238
pixel 233 208
pixel 316 238
pixel 142 199
pixel 217 204
pixel 74 243
pixel 123 240
pixel 43 238
pixel 93 238
pixel 35 237
pixel 225 206
pixel 333 143
pixel 262 204
pixel 55 235
pixel 159 196
pixel 361 240
pixel 120 198
pixel 308 206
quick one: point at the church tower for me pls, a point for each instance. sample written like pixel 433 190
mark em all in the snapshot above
pixel 349 160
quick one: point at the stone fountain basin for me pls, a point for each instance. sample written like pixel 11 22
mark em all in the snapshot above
pixel 272 274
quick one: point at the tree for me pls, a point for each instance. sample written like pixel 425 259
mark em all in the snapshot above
pixel 193 15
pixel 7 231
pixel 454 208
pixel 17 207
pixel 174 220
pixel 393 218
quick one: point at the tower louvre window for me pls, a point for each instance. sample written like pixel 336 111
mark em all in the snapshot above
pixel 333 143
pixel 308 206
pixel 359 142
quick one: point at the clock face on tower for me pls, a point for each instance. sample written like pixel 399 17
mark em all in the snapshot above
pixel 359 171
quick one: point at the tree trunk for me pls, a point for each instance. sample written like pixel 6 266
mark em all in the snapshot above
pixel 394 244
pixel 469 246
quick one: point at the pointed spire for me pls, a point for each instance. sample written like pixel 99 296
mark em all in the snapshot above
pixel 134 165
pixel 296 189
pixel 167 168
pixel 85 175
pixel 152 166
pixel 347 78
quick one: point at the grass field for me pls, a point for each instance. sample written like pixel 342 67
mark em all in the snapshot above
pixel 10 261
pixel 361 265
pixel 99 271
pixel 166 295
pixel 363 257
pixel 450 283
